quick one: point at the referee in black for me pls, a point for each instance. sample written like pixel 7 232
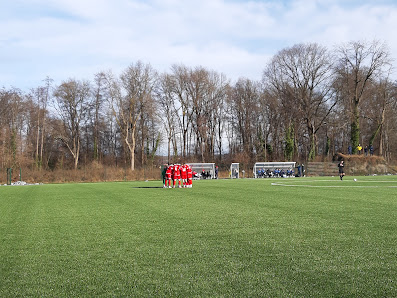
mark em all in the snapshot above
pixel 341 169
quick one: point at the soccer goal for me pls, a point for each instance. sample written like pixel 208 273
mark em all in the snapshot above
pixel 263 169
pixel 235 170
pixel 204 170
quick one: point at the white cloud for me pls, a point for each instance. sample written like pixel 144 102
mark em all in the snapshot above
pixel 69 38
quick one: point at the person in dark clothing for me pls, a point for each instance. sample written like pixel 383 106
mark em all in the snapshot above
pixel 163 173
pixel 341 169
pixel 371 150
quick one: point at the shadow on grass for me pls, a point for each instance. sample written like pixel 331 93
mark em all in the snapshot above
pixel 147 187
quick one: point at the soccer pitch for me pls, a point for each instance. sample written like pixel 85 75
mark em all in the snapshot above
pixel 249 237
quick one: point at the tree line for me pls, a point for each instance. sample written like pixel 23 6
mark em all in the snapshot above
pixel 311 103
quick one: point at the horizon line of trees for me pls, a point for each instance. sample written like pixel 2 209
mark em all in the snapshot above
pixel 310 102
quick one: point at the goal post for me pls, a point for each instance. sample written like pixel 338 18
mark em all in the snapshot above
pixel 261 167
pixel 204 170
pixel 235 170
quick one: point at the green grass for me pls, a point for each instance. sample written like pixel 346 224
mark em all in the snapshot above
pixel 221 238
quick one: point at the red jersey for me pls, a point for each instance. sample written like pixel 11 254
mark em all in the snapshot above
pixel 183 172
pixel 189 172
pixel 168 172
pixel 177 173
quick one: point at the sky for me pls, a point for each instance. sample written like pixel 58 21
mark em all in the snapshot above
pixel 64 39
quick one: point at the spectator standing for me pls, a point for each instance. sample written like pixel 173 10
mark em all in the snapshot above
pixel 359 148
pixel 371 150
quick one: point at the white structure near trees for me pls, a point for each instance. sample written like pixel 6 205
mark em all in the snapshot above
pixel 235 170
pixel 288 165
pixel 204 170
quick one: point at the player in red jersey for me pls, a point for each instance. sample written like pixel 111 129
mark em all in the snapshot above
pixel 168 176
pixel 177 175
pixel 184 175
pixel 189 176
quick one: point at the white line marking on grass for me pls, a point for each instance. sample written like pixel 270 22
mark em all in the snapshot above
pixel 375 181
pixel 337 180
pixel 332 186
pixel 322 186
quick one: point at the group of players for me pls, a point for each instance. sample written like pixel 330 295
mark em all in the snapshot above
pixel 177 172
pixel 276 173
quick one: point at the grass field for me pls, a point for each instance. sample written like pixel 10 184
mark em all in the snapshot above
pixel 298 237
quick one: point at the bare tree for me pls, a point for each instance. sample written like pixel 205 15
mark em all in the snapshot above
pixel 197 90
pixel 99 97
pixel 184 103
pixel 13 115
pixel 244 101
pixel 379 99
pixel 130 98
pixel 217 94
pixel 168 115
pixel 358 63
pixel 302 74
pixel 73 101
pixel 41 97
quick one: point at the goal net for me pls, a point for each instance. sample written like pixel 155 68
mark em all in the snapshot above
pixel 263 169
pixel 235 170
pixel 204 170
